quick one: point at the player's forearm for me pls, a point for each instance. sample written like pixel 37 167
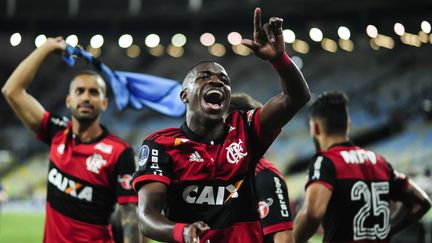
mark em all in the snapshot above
pixel 405 215
pixel 129 221
pixel 156 226
pixel 304 227
pixel 25 72
pixel 294 86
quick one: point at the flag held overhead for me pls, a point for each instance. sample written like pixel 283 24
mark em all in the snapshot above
pixel 135 90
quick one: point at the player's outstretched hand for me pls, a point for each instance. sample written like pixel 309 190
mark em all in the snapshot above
pixel 192 232
pixel 268 42
pixel 54 44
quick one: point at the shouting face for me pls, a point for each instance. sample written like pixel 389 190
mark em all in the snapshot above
pixel 86 98
pixel 207 91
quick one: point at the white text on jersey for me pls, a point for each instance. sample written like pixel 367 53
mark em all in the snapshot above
pixel 70 187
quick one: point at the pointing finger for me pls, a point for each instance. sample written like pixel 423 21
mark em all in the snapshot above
pixel 257 22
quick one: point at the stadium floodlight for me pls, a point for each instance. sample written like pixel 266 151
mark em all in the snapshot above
pixel 241 50
pixel 234 38
pixel 399 29
pixel 133 51
pixel 426 26
pixel 207 39
pixel 178 40
pixel 372 31
pixel 97 41
pixel 344 33
pixel 300 46
pixel 72 40
pixel 40 40
pixel 316 34
pixel 157 51
pixel 289 35
pixel 217 50
pixel 15 39
pixel 175 51
pixel 152 40
pixel 125 41
pixel 298 61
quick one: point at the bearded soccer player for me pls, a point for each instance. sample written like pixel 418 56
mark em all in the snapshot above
pixel 271 190
pixel 350 188
pixel 200 175
pixel 89 168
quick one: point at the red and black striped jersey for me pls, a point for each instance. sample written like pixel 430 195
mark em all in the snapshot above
pixel 362 184
pixel 273 201
pixel 211 181
pixel 85 181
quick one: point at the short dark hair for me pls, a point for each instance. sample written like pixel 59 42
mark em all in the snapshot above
pixel 93 73
pixel 332 109
pixel 243 102
pixel 186 78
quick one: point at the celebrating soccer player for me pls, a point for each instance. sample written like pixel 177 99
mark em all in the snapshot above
pixel 200 175
pixel 89 168
pixel 350 188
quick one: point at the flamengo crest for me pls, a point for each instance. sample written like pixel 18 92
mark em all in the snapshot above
pixel 95 162
pixel 235 152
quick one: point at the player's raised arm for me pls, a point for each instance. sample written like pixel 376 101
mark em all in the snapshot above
pixel 27 108
pixel 268 44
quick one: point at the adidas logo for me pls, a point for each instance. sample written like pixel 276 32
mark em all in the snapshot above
pixel 195 157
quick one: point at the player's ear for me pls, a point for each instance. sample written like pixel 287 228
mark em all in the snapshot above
pixel 315 128
pixel 349 125
pixel 183 96
pixel 68 100
pixel 104 103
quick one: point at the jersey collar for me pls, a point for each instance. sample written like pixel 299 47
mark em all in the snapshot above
pixel 343 144
pixel 104 133
pixel 196 137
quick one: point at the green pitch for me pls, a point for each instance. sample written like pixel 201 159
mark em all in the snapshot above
pixel 21 227
pixel 28 227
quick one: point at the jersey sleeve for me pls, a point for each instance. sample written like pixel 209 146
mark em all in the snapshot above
pixel 273 202
pixel 398 182
pixel 263 140
pixel 322 170
pixel 125 169
pixel 51 125
pixel 154 164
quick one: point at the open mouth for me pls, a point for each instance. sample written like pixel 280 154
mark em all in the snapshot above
pixel 214 99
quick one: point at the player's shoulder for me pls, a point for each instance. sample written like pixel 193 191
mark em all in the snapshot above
pixel 61 121
pixel 114 141
pixel 164 136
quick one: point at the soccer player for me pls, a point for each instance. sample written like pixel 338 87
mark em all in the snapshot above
pixel 89 168
pixel 270 188
pixel 350 188
pixel 200 175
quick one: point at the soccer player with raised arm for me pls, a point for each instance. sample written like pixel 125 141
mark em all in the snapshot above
pixel 89 168
pixel 195 182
